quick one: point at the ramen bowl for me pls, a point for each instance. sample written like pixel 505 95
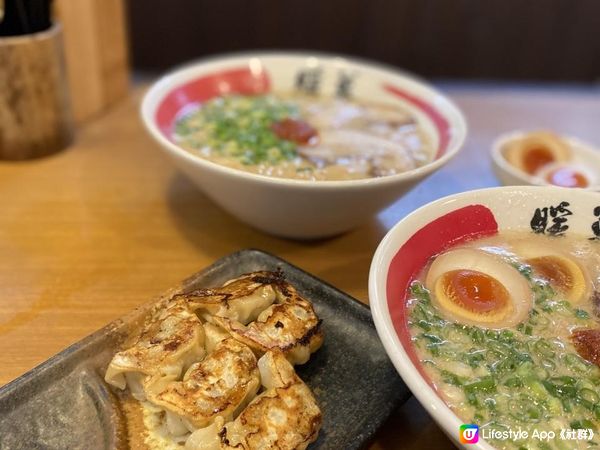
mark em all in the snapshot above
pixel 299 208
pixel 406 250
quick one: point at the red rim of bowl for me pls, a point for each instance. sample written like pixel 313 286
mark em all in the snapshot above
pixel 463 224
pixel 244 81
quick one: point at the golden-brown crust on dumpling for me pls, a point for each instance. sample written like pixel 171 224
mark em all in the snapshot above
pixel 241 299
pixel 168 344
pixel 291 326
pixel 284 417
pixel 218 386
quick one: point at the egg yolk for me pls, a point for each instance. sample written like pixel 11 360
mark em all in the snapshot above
pixel 554 271
pixel 535 158
pixel 567 177
pixel 475 291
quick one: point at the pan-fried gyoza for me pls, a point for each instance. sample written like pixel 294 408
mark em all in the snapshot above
pixel 171 342
pixel 263 311
pixel 285 415
pixel 213 368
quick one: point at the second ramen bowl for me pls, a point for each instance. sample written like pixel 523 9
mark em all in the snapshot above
pixel 440 225
pixel 294 208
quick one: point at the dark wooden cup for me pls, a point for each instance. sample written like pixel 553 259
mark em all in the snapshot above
pixel 35 115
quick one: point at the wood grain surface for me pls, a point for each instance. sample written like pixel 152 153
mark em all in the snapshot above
pixel 89 233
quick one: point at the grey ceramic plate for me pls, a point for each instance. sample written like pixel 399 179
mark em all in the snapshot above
pixel 64 403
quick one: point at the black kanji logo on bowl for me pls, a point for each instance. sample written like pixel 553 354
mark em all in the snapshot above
pixel 551 220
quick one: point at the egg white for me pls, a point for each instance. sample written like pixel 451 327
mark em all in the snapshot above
pixel 521 296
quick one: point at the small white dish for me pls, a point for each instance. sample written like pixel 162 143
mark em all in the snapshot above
pixel 585 156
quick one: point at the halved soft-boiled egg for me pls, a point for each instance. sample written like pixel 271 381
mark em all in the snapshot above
pixel 535 150
pixel 560 270
pixel 567 175
pixel 473 287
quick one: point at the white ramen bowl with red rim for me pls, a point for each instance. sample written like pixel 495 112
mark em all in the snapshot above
pixel 439 225
pixel 288 207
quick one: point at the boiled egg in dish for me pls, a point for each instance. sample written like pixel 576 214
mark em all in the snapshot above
pixel 560 270
pixel 473 287
pixel 536 150
pixel 567 175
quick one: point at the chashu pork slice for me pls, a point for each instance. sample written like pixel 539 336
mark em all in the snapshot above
pixel 285 416
pixel 219 386
pixel 171 342
pixel 241 299
pixel 289 325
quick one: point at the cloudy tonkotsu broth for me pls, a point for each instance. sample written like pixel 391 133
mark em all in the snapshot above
pixel 539 374
pixel 305 137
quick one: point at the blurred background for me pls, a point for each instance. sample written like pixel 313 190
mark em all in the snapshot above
pixel 550 40
pixel 110 42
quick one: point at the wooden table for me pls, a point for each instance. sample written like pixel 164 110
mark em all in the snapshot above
pixel 92 232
